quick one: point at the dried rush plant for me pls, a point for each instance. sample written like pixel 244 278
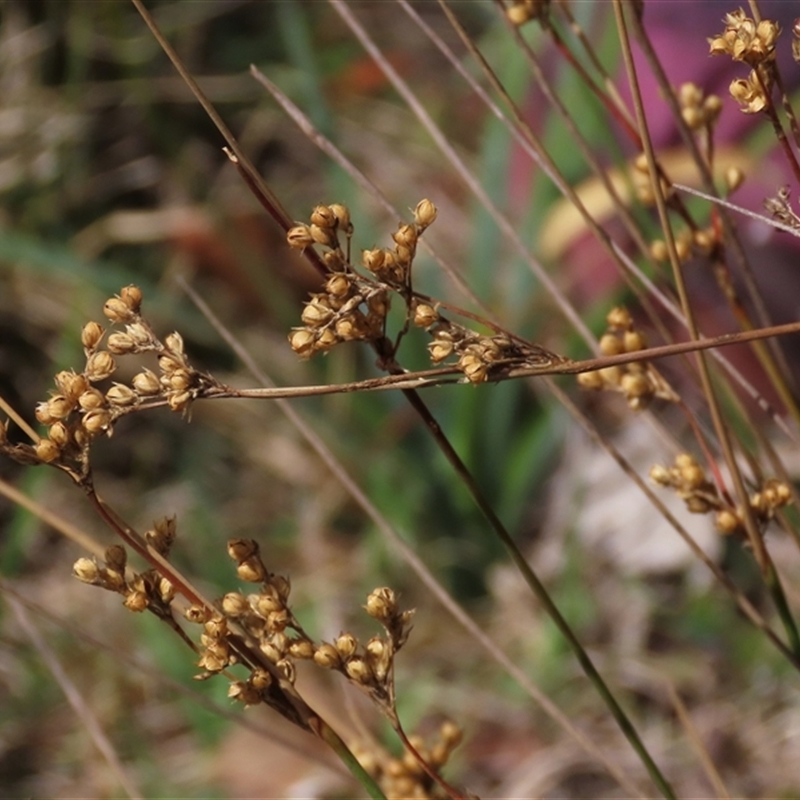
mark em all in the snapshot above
pixel 737 482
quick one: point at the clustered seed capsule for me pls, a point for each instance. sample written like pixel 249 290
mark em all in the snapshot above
pixel 688 479
pixel 638 381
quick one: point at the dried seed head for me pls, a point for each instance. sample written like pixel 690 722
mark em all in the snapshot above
pixel 46 450
pixel 235 604
pixel 58 407
pixel 58 434
pixel 96 421
pixel 382 604
pixel 241 549
pixel 251 570
pixel 373 260
pixel 174 343
pixel 265 604
pixel 116 558
pixel 301 648
pixel 359 671
pixel 136 601
pixel 425 213
pixel 317 311
pixel 324 236
pixel 323 217
pixel 338 285
pixel 303 342
pixel 610 345
pixel 99 365
pixel 726 522
pixel 86 570
pixel 91 334
pixel 327 656
pixel 132 297
pixel 299 237
pixel 121 395
pixel 70 384
pixel 117 310
pixel 346 645
pixel 179 401
pixel 146 383
pixel 406 236
pixel 197 614
pixel 121 344
pixel 619 318
pixel 425 315
pixel 91 399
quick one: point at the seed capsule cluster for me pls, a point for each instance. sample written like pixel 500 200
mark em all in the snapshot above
pixel 353 306
pixel 80 408
pixel 638 381
pixel 688 479
pixel 405 777
pixel 753 43
pixel 141 590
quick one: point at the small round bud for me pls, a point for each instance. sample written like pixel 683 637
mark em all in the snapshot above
pixel 734 178
pixel 633 341
pixel 661 475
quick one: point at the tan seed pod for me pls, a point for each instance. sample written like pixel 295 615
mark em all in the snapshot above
pixel 91 334
pixel 382 604
pixel 342 214
pixel 327 339
pixel 261 679
pixel 619 318
pixel 270 651
pixel 303 342
pixel 610 345
pixel 166 590
pixel 59 435
pixel 86 570
pixel 216 627
pixel 726 522
pixel 661 475
pixel 265 604
pixel 121 395
pixel 46 450
pixel 440 350
pixel 633 341
pixel 425 213
pixel 242 549
pixel 168 364
pixel 359 670
pixel 610 376
pixel 146 383
pixel 58 407
pixel 323 217
pixel 179 401
pixel 346 645
pixel 635 385
pixel 180 380
pixel 327 656
pixel 132 297
pixel 91 399
pixel 278 620
pixel 235 604
pixel 120 344
pixel 42 413
pixel 251 571
pixel 117 311
pixel 243 692
pixel 451 734
pixel 96 421
pixel 406 236
pixel 116 557
pixel 590 380
pixel 338 285
pixel 140 334
pixel 174 343
pixel 316 313
pixel 287 669
pixel 299 237
pixel 136 601
pixel 373 260
pixel 425 315
pixel 100 365
pixel 197 614
pixel 301 648
pixel 323 236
